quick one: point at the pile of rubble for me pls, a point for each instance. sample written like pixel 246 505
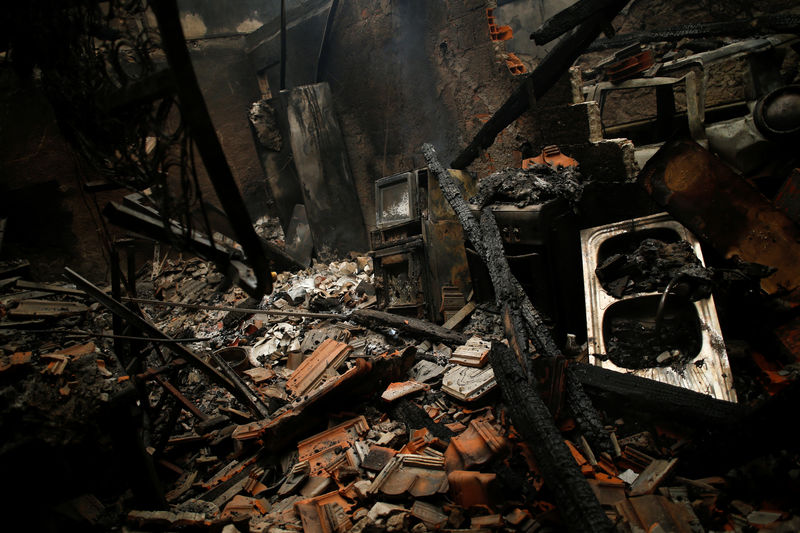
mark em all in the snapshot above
pixel 370 427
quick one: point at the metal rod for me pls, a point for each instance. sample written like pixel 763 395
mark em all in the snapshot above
pixel 301 314
pixel 170 388
pixel 663 300
pixel 245 395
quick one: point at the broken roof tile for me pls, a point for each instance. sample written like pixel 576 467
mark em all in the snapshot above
pixel 419 475
pixel 475 446
pixel 467 383
pixel 474 353
pixel 400 389
pixel 327 357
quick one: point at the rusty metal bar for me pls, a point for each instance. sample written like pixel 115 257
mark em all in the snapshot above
pixel 299 314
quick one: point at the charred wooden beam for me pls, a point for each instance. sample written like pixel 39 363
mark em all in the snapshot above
pixel 510 297
pixel 659 398
pixel 544 76
pixel 243 394
pixel 415 417
pixel 568 18
pixel 512 108
pixel 412 326
pixel 775 24
pixel 575 499
pixel 485 237
pixel 195 114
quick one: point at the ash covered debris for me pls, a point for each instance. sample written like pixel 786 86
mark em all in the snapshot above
pixel 652 265
pixel 655 265
pixel 535 185
pixel 201 408
pixel 641 342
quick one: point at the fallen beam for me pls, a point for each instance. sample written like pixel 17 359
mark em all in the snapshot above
pixel 196 117
pixel 485 237
pixel 513 371
pixel 579 508
pixel 568 18
pixel 659 398
pixel 412 326
pixel 244 395
pixel 544 76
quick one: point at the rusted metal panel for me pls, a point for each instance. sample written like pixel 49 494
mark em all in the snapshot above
pixel 725 211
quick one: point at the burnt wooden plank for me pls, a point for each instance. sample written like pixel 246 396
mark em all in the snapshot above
pixel 522 319
pixel 412 326
pixel 661 398
pixel 568 18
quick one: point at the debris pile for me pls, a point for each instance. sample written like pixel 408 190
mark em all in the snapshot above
pixel 534 185
pixel 651 266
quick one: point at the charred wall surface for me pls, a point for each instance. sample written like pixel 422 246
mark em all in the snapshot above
pixel 50 220
pixel 229 85
pixel 405 73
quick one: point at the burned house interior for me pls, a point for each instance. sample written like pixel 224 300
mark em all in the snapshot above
pixel 271 266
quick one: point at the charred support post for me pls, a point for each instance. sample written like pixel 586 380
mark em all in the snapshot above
pixel 575 499
pixel 195 113
pixel 283 44
pixel 485 237
pixel 538 83
pixel 243 394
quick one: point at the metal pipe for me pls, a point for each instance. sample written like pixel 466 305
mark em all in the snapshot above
pixel 300 314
